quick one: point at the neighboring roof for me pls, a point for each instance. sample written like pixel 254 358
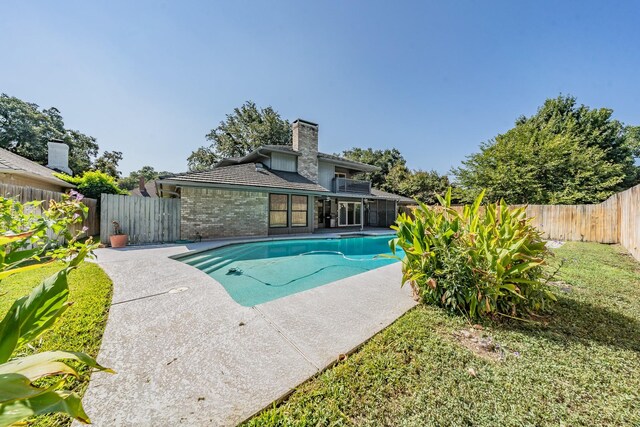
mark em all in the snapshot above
pixel 248 174
pixel 12 163
pixel 148 191
pixel 263 151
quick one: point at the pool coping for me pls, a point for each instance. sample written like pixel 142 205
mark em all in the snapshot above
pixel 222 243
pixel 172 349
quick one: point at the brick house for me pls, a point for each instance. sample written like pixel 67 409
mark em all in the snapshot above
pixel 280 189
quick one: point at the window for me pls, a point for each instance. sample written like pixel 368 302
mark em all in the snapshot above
pixel 341 175
pixel 299 209
pixel 278 210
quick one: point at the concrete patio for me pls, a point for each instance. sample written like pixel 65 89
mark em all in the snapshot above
pixel 187 354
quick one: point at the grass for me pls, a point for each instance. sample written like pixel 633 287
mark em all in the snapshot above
pixel 578 366
pixel 79 329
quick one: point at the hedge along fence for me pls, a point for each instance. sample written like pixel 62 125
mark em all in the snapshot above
pixel 30 194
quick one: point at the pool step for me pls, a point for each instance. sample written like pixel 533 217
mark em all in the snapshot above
pixel 217 266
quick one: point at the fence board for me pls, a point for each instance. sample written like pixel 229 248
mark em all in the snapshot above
pixel 144 219
pixel 30 194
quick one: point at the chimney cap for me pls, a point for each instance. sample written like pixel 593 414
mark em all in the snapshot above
pixel 306 122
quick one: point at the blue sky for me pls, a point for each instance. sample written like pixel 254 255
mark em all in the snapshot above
pixel 433 79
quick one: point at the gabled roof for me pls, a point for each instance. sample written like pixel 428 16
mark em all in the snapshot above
pixel 12 163
pixel 262 152
pixel 247 175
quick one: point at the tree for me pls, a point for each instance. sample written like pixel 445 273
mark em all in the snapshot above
pixel 147 172
pixel 564 154
pixel 202 159
pixel 108 163
pixel 246 129
pixel 25 129
pixel 386 160
pixel 93 183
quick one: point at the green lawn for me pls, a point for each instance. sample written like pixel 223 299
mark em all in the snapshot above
pixel 79 329
pixel 579 366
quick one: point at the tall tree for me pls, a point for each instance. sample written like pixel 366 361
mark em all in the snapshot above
pixel 147 172
pixel 384 159
pixel 25 129
pixel 244 130
pixel 108 163
pixel 563 154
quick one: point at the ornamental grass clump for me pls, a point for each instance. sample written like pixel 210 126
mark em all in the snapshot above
pixel 481 262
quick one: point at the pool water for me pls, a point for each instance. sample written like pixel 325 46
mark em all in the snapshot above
pixel 254 273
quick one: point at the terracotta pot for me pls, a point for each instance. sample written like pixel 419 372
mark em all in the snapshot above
pixel 118 240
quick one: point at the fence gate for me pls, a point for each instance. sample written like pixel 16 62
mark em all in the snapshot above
pixel 143 219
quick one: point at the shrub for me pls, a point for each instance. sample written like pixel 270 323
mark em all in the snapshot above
pixel 93 183
pixel 482 263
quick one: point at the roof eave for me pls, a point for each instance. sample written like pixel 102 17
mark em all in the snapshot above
pixel 50 180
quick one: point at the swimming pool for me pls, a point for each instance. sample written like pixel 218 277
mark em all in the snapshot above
pixel 254 273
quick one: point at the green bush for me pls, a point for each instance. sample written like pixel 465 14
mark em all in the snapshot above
pixel 480 262
pixel 92 184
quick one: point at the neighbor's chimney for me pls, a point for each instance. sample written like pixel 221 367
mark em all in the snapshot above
pixel 141 186
pixel 58 156
pixel 305 141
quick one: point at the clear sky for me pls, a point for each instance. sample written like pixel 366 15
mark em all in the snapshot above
pixel 433 79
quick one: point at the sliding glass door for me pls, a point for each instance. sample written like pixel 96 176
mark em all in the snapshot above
pixel 349 213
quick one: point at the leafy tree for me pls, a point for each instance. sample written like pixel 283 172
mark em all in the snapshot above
pixel 202 159
pixel 386 160
pixel 564 154
pixel 247 128
pixel 425 186
pixel 108 163
pixel 93 183
pixel 25 129
pixel 147 172
pixel 34 384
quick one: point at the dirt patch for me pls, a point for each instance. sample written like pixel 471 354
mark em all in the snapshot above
pixel 564 287
pixel 480 343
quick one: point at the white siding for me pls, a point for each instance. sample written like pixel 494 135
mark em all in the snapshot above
pixel 326 173
pixel 283 162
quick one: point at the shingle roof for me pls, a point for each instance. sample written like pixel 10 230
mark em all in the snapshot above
pixel 247 174
pixel 384 194
pixel 259 152
pixel 149 190
pixel 13 163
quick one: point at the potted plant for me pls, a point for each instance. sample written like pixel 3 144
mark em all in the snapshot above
pixel 118 238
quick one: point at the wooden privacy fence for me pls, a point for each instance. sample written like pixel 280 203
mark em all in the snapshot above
pixel 30 194
pixel 616 220
pixel 143 219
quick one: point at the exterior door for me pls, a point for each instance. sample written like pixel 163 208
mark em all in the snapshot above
pixel 349 213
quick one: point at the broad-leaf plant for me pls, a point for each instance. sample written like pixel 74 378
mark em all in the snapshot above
pixel 32 236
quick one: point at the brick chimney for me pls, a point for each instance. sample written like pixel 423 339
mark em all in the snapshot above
pixel 305 141
pixel 58 153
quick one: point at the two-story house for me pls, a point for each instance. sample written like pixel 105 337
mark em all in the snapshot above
pixel 280 189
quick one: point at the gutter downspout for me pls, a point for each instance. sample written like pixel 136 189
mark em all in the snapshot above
pixel 362 215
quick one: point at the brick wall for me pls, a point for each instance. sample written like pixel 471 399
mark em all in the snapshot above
pixel 223 213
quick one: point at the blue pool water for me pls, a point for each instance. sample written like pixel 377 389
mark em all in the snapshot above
pixel 254 273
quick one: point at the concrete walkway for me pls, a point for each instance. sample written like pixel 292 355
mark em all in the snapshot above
pixel 187 354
